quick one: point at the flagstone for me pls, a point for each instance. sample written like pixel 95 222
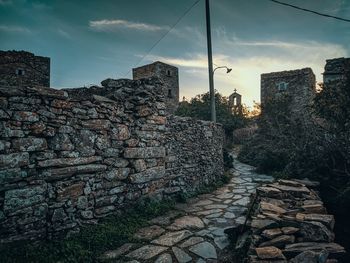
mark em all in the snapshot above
pixel 205 250
pixel 146 252
pixel 171 238
pixel 191 241
pixel 187 222
pixel 181 256
pixel 164 258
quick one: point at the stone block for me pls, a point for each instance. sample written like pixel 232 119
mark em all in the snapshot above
pixel 63 162
pixel 12 175
pixel 13 160
pixel 139 165
pixel 117 174
pixel 144 111
pixel 72 191
pixel 315 231
pixel 62 104
pixel 147 152
pixel 26 116
pixel 60 173
pixel 61 142
pixel 29 144
pixel 121 132
pixel 148 175
pixel 48 92
pixel 97 124
pixel 59 216
pixel 17 199
pixel 269 253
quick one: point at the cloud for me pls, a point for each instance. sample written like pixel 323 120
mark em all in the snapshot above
pixel 197 60
pixel 14 29
pixel 64 34
pixel 111 25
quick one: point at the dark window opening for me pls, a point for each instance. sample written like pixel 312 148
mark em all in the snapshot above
pixel 168 72
pixel 170 95
pixel 282 86
pixel 20 72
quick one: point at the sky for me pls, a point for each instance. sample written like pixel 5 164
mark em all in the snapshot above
pixel 89 41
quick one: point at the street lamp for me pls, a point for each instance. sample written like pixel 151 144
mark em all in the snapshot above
pixel 212 93
pixel 228 70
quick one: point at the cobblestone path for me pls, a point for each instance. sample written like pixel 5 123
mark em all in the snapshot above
pixel 194 232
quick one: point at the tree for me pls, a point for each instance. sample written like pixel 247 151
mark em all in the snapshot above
pixel 199 108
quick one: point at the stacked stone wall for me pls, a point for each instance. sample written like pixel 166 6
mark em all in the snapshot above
pixel 70 157
pixel 194 153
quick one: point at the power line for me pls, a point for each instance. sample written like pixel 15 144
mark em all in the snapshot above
pixel 164 35
pixel 311 11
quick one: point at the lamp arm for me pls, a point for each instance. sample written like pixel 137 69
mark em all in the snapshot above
pixel 219 67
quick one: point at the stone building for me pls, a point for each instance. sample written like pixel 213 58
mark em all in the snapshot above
pixel 336 69
pixel 21 68
pixel 299 84
pixel 170 77
pixel 235 103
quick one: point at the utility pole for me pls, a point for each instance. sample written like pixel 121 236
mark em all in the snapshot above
pixel 210 64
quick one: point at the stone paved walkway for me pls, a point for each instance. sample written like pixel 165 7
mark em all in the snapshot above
pixel 194 232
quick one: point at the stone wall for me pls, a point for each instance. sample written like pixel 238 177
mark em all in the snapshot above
pixel 194 150
pixel 69 157
pixel 291 224
pixel 23 68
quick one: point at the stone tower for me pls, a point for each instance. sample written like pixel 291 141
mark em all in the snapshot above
pixel 299 84
pixel 170 77
pixel 336 70
pixel 235 103
pixel 21 68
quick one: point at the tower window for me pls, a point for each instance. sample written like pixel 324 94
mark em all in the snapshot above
pixel 20 72
pixel 168 72
pixel 282 86
pixel 170 95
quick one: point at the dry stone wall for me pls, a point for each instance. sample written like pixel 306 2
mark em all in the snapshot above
pixel 69 157
pixel 292 225
pixel 194 150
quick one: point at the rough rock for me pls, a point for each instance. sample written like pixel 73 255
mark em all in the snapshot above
pixel 271 233
pixel 204 250
pixel 149 233
pixel 164 258
pixel 191 241
pixel 172 238
pixel 297 248
pixel 279 241
pixel 146 252
pixel 269 253
pixel 187 222
pixel 181 256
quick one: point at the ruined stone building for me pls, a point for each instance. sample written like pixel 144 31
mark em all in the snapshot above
pixel 299 84
pixel 168 74
pixel 336 70
pixel 235 103
pixel 21 68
